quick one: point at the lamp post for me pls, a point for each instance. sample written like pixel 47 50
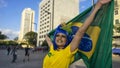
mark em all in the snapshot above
pixel 92 2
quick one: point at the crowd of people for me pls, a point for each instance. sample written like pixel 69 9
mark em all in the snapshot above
pixel 12 50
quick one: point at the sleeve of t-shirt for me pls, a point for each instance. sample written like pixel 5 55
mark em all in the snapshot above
pixel 68 52
pixel 51 47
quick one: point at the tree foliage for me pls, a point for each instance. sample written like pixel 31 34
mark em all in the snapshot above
pixel 31 38
pixel 44 43
pixel 8 42
pixel 2 36
pixel 16 38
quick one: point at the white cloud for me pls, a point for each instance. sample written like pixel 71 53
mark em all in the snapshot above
pixel 10 33
pixel 3 3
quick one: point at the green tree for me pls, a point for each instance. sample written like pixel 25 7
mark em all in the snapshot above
pixel 44 43
pixel 2 36
pixel 31 38
pixel 16 38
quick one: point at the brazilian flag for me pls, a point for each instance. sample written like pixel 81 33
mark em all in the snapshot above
pixel 96 46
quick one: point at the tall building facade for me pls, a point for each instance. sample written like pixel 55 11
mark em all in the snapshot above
pixel 54 12
pixel 116 12
pixel 116 15
pixel 27 22
pixel 116 34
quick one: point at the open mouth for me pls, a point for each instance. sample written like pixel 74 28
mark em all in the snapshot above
pixel 59 41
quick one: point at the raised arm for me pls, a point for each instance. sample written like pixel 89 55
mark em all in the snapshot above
pixel 48 41
pixel 77 38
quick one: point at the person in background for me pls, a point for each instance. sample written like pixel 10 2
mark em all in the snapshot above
pixel 14 54
pixel 8 50
pixel 27 54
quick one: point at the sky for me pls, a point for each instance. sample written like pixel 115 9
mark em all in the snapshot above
pixel 10 14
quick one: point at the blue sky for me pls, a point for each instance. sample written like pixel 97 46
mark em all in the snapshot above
pixel 10 14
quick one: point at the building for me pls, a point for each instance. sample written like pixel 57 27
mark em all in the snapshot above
pixel 54 12
pixel 116 34
pixel 27 22
pixel 116 15
pixel 117 12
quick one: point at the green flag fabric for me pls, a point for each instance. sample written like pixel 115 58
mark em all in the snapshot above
pixel 100 32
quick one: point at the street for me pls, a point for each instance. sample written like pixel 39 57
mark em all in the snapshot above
pixel 116 61
pixel 36 59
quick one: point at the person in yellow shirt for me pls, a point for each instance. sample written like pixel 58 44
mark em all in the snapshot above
pixel 62 49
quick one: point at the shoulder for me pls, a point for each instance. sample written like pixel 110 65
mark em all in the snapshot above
pixel 51 47
pixel 68 50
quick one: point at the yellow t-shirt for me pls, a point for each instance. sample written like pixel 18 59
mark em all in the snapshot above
pixel 58 59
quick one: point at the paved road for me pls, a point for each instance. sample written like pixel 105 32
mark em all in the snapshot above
pixel 36 60
pixel 116 61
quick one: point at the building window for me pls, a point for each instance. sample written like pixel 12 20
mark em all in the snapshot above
pixel 116 3
pixel 116 12
pixel 48 1
pixel 117 21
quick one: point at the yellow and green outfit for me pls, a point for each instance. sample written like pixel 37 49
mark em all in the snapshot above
pixel 59 58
